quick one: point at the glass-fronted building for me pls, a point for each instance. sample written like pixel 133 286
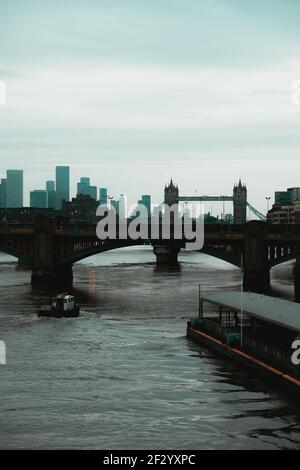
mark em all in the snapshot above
pixel 62 185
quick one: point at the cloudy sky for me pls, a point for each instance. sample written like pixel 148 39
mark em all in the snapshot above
pixel 133 92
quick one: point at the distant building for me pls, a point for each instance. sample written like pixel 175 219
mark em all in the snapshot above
pixel 81 209
pixel 103 196
pixel 240 203
pixel 123 206
pixel 286 209
pixel 295 193
pixel 283 198
pixel 287 197
pixel 50 185
pixel 14 188
pixel 3 193
pixel 84 188
pixel 146 201
pixel 92 191
pixel 115 205
pixel 39 199
pixel 284 214
pixel 62 185
pixel 25 214
pixel 50 188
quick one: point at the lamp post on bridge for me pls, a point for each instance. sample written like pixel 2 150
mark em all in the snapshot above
pixel 268 203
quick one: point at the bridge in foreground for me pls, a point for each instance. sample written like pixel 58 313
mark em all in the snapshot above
pixel 52 245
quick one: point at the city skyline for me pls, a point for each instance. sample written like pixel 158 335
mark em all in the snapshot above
pixel 49 197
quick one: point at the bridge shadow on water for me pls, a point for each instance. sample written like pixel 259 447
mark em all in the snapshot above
pixel 160 269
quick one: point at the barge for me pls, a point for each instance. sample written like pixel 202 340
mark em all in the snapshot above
pixel 255 331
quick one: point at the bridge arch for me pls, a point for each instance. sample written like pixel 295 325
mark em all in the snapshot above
pixel 283 259
pixel 16 254
pixel 91 251
pixel 220 255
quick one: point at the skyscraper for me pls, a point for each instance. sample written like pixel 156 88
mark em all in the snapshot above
pixel 146 201
pixel 2 193
pixel 50 185
pixel 50 188
pixel 83 185
pixel 38 198
pixel 62 185
pixel 123 206
pixel 14 188
pixel 92 191
pixel 115 205
pixel 103 196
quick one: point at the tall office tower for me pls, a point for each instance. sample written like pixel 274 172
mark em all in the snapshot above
pixel 295 193
pixel 240 203
pixel 83 185
pixel 50 188
pixel 14 188
pixel 92 191
pixel 62 185
pixel 146 201
pixel 115 205
pixel 103 196
pixel 123 206
pixel 50 185
pixel 39 198
pixel 2 193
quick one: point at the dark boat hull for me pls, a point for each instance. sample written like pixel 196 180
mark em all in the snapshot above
pixel 51 312
pixel 283 381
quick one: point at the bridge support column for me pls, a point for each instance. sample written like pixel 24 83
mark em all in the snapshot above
pixel 166 255
pixel 61 277
pixel 23 264
pixel 297 279
pixel 256 266
pixel 46 272
pixel 257 280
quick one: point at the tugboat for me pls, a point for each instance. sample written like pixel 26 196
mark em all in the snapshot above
pixel 63 305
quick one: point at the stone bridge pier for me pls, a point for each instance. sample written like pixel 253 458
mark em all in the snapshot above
pixel 297 279
pixel 256 266
pixel 166 255
pixel 45 271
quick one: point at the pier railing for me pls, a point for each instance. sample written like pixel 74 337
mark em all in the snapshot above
pixel 213 328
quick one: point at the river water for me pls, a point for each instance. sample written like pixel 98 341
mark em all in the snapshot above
pixel 123 375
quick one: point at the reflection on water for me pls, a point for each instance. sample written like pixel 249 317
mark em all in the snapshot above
pixel 123 375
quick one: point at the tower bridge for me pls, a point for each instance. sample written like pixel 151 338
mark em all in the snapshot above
pixel 239 199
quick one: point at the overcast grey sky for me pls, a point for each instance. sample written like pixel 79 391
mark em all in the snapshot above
pixel 132 92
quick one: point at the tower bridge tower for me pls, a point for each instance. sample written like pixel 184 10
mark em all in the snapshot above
pixel 171 194
pixel 240 203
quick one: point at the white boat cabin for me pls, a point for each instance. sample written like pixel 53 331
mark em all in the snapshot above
pixel 63 302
